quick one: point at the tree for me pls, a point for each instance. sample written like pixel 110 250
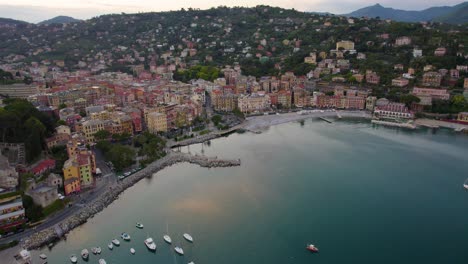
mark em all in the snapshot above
pixel 408 99
pixel 102 135
pixel 33 211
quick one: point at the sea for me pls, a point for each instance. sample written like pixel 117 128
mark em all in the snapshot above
pixel 361 193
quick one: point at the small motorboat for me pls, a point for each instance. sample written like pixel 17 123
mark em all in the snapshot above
pixel 43 256
pixel 167 239
pixel 73 259
pixel 150 244
pixel 139 225
pixel 116 242
pixel 188 237
pixel 132 250
pixel 94 250
pixel 85 254
pixel 465 184
pixel 102 261
pixel 125 236
pixel 312 248
pixel 179 250
pixel 110 246
pixel 98 250
pixel 191 262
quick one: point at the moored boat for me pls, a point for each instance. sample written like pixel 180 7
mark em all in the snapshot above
pixel 465 184
pixel 73 259
pixel 179 250
pixel 312 248
pixel 191 262
pixel 132 250
pixel 110 246
pixel 167 239
pixel 94 250
pixel 116 242
pixel 85 254
pixel 150 244
pixel 102 261
pixel 188 237
pixel 139 225
pixel 98 250
pixel 43 256
pixel 125 236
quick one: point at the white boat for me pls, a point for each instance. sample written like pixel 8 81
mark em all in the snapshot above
pixel 73 259
pixel 98 250
pixel 191 262
pixel 465 184
pixel 116 242
pixel 132 250
pixel 102 261
pixel 94 250
pixel 110 246
pixel 179 250
pixel 125 236
pixel 43 256
pixel 139 225
pixel 150 244
pixel 188 237
pixel 85 254
pixel 167 239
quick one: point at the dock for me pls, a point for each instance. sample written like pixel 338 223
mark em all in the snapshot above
pixel 326 120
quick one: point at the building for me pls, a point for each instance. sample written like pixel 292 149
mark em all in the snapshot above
pixel 311 59
pixel 440 94
pixel 253 103
pixel 12 214
pixel 393 110
pixel 465 84
pixel 402 41
pixel 372 77
pixel 8 174
pixel 345 45
pixel 42 194
pixel 157 122
pixel 463 116
pixel 224 101
pixel 432 79
pixel 417 53
pixel 43 166
pixel 90 127
pixel 440 52
pixel 400 82
pixel 284 99
pixel 71 176
pixel 370 102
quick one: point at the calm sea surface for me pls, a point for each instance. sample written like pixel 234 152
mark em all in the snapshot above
pixel 361 194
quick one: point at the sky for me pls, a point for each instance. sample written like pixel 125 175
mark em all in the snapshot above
pixel 39 10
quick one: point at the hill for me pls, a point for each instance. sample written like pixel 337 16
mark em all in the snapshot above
pixel 59 20
pixel 458 15
pixel 429 14
pixel 11 22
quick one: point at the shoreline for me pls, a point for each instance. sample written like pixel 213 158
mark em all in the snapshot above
pixel 57 232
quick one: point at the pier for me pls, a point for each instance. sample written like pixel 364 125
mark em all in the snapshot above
pixel 326 120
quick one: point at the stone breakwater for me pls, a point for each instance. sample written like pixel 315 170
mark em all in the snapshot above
pixel 54 233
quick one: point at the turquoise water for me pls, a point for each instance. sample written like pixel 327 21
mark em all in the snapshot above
pixel 361 194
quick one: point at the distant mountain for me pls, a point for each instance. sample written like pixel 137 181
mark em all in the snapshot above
pixel 59 20
pixel 440 13
pixel 9 21
pixel 456 16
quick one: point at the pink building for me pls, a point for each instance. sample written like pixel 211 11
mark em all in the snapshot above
pixel 433 93
pixel 400 82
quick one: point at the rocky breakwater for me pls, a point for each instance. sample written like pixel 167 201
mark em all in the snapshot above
pixel 51 234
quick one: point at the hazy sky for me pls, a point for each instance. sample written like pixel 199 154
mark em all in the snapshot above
pixel 38 10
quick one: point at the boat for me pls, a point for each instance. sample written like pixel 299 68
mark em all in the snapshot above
pixel 116 242
pixel 150 244
pixel 94 250
pixel 465 184
pixel 179 250
pixel 125 236
pixel 85 254
pixel 98 250
pixel 191 262
pixel 312 248
pixel 102 261
pixel 73 259
pixel 188 237
pixel 132 250
pixel 110 246
pixel 43 256
pixel 167 239
pixel 139 225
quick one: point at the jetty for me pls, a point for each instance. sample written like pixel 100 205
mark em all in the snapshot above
pixel 48 235
pixel 326 120
pixel 395 124
pixel 203 138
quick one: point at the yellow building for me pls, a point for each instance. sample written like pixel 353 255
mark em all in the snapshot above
pixel 71 175
pixel 157 122
pixel 90 127
pixel 345 44
pixel 463 116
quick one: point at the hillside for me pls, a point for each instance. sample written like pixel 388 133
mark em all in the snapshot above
pixel 456 16
pixel 410 16
pixel 9 21
pixel 59 20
